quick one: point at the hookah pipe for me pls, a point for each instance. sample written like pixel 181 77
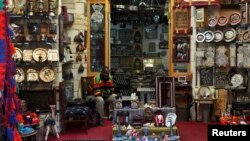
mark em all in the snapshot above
pixel 172 137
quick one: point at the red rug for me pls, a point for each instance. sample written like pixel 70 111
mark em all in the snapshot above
pixel 192 131
pixel 188 131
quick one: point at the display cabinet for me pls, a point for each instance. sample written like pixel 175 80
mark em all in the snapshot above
pixel 179 41
pixel 98 35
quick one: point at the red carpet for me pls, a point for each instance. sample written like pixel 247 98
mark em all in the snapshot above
pixel 189 131
pixel 192 131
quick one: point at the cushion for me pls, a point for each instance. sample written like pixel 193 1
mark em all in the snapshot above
pixel 77 110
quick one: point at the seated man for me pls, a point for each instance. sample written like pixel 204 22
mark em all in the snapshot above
pixel 102 91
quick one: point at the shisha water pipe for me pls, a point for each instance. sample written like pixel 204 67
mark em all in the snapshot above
pixel 172 137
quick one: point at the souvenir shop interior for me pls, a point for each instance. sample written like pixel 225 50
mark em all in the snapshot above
pixel 170 60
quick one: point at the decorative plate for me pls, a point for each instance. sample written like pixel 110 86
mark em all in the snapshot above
pixel 46 74
pixel 209 36
pixel 200 38
pixel 235 18
pixel 27 55
pixel 237 80
pixel 229 34
pixel 32 75
pixel 40 55
pixel 18 56
pixel 53 55
pixel 20 75
pixel 204 91
pixel 246 36
pixel 218 36
pixel 212 22
pixel 222 21
pixel 221 60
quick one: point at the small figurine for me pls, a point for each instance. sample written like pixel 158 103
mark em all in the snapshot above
pixel 51 123
pixel 159 120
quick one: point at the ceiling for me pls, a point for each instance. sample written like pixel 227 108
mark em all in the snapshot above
pixel 146 11
pixel 136 2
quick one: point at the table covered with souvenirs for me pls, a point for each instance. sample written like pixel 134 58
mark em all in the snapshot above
pixel 151 123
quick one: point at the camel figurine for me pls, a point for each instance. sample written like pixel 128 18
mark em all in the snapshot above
pixel 50 122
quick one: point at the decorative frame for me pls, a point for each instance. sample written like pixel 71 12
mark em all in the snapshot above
pixel 151 32
pixel 86 83
pixel 199 14
pixel 182 78
pixel 220 79
pixel 185 3
pixel 207 76
pixel 181 20
pixel 181 49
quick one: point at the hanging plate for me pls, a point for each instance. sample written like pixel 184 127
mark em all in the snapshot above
pixel 200 38
pixel 20 75
pixel 229 34
pixel 212 22
pixel 209 36
pixel 218 36
pixel 40 55
pixel 237 80
pixel 18 56
pixel 246 36
pixel 222 21
pixel 47 74
pixel 235 18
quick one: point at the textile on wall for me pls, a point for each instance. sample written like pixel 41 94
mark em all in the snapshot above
pixel 10 103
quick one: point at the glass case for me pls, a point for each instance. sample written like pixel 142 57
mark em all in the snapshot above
pixel 98 36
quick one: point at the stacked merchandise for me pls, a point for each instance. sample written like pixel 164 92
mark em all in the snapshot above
pixel 10 103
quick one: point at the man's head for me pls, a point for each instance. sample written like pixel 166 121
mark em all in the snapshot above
pixel 105 73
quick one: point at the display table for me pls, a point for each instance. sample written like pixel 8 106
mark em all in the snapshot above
pixel 152 131
pixel 200 101
pixel 140 111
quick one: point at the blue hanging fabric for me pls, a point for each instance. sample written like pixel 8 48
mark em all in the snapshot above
pixel 12 119
pixel 10 135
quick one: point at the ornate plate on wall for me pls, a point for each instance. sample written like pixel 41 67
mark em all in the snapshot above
pixel 222 21
pixel 40 55
pixel 237 80
pixel 200 38
pixel 212 22
pixel 229 34
pixel 209 36
pixel 20 75
pixel 18 56
pixel 245 36
pixel 235 18
pixel 218 36
pixel 47 74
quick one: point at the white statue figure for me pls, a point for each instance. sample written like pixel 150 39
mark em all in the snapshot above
pixel 51 122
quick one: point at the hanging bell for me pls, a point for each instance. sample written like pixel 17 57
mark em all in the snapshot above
pixel 80 48
pixel 81 68
pixel 78 58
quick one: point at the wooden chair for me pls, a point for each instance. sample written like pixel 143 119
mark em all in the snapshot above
pixel 66 104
